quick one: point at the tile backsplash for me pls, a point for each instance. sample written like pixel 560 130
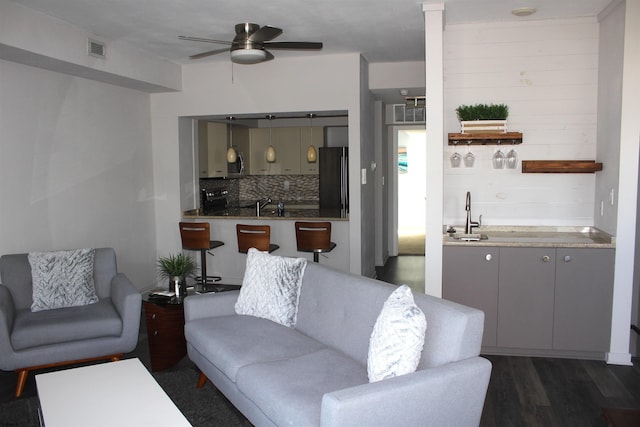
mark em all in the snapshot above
pixel 254 187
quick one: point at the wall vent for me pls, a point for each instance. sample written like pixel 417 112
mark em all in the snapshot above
pixel 96 48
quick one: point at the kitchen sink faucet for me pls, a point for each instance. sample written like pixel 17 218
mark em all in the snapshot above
pixel 470 224
pixel 261 204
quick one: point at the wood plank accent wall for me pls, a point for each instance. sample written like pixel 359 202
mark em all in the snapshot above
pixel 546 72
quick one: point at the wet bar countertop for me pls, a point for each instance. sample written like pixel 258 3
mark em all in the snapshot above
pixel 533 236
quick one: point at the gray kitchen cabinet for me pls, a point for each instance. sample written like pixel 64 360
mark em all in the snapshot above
pixel 525 298
pixel 310 136
pixel 583 299
pixel 470 277
pixel 548 300
pixel 212 149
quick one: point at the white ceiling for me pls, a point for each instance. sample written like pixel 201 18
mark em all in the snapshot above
pixel 382 30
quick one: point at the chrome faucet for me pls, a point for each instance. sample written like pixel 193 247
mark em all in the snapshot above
pixel 260 204
pixel 470 224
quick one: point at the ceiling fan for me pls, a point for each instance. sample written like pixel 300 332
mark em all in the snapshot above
pixel 250 44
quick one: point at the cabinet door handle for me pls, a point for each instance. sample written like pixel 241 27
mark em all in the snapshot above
pixel 153 316
pixel 545 258
pixel 155 333
pixel 488 257
pixel 567 258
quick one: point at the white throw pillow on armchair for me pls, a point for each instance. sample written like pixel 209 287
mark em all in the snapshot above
pixel 271 287
pixel 397 339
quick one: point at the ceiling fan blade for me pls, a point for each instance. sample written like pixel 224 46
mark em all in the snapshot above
pixel 209 53
pixel 265 33
pixel 294 45
pixel 198 39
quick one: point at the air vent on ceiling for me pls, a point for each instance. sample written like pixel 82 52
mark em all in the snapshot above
pixel 96 48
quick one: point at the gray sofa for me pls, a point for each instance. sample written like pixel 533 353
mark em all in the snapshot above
pixel 316 373
pixel 104 330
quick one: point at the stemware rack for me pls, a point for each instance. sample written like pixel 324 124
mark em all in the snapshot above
pixel 493 138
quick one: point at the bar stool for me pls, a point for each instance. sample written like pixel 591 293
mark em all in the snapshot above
pixel 314 237
pixel 196 237
pixel 254 236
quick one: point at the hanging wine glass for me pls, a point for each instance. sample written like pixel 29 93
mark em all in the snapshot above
pixel 512 159
pixel 455 158
pixel 498 158
pixel 469 158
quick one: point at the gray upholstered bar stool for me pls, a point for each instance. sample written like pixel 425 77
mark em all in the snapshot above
pixel 254 236
pixel 314 237
pixel 196 236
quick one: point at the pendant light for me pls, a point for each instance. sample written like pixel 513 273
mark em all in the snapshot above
pixel 231 152
pixel 312 154
pixel 271 152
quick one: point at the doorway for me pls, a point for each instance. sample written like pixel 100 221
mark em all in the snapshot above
pixel 412 185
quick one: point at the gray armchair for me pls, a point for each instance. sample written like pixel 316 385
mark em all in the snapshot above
pixel 34 340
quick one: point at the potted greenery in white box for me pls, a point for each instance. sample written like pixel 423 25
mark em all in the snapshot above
pixel 177 268
pixel 482 118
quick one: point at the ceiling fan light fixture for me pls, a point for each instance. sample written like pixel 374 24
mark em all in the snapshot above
pixel 248 56
pixel 523 11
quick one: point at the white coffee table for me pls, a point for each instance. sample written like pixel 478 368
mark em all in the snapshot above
pixel 110 394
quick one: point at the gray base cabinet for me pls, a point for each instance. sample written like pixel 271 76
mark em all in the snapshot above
pixel 525 299
pixel 536 300
pixel 470 276
pixel 584 296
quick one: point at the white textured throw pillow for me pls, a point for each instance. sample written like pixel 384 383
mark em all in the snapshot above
pixel 270 287
pixel 62 279
pixel 398 337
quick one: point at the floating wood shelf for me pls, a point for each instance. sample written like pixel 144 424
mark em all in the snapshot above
pixel 560 166
pixel 489 138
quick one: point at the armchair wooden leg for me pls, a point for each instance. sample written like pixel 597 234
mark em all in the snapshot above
pixel 24 372
pixel 22 380
pixel 202 380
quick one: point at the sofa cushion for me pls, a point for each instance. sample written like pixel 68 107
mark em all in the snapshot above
pixel 289 392
pixel 270 287
pixel 397 338
pixel 32 329
pixel 231 342
pixel 62 279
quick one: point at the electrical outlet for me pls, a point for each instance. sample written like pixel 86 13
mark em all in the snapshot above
pixel 364 176
pixel 601 207
pixel 612 196
pixel 286 185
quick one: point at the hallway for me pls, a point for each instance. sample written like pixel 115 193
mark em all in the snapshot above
pixel 404 270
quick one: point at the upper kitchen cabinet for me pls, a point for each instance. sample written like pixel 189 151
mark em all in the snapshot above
pixel 310 136
pixel 286 142
pixel 212 149
pixel 258 143
pixel 291 146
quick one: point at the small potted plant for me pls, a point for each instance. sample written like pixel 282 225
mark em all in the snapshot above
pixel 483 118
pixel 177 268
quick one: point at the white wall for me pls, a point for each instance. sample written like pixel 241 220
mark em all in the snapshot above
pixel 33 38
pixel 313 83
pixel 75 168
pixel 546 72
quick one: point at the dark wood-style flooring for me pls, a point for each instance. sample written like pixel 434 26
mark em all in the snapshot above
pixel 523 391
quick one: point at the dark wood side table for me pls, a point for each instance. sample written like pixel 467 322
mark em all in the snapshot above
pixel 165 331
pixel 165 327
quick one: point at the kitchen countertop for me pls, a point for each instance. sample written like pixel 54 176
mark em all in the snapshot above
pixel 291 212
pixel 533 236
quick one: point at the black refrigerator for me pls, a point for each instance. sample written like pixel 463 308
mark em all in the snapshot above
pixel 334 180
